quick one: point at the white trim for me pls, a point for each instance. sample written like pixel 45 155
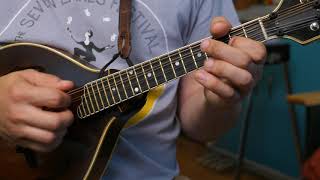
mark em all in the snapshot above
pixel 14 17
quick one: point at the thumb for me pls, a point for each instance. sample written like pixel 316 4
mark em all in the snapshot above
pixel 220 27
pixel 46 80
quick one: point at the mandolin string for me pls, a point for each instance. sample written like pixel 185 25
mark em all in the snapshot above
pixel 301 21
pixel 154 67
pixel 269 29
pixel 160 57
pixel 299 6
pixel 282 16
pixel 269 22
pixel 135 83
pixel 131 96
pixel 293 8
pixel 284 13
pixel 115 103
pixel 109 97
pixel 198 50
pixel 195 51
pixel 181 51
pixel 148 90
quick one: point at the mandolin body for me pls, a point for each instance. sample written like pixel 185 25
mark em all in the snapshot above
pixel 88 146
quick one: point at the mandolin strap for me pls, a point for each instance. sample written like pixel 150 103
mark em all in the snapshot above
pixel 124 38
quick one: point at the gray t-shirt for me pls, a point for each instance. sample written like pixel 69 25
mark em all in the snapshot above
pixel 146 148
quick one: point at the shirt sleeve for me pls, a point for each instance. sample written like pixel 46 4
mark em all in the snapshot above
pixel 206 10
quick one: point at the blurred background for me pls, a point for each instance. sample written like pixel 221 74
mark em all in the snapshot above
pixel 280 131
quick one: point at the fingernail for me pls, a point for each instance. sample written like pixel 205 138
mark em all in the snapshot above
pixel 201 77
pixel 65 83
pixel 205 44
pixel 209 63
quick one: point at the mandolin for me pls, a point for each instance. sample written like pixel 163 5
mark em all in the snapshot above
pixel 102 105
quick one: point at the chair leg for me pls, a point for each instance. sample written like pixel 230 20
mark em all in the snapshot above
pixel 293 117
pixel 243 138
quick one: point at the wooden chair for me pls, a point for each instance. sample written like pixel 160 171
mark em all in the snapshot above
pixel 311 103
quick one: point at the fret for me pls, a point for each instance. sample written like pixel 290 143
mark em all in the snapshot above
pixel 89 105
pixel 80 114
pixel 137 79
pixel 188 60
pixel 244 31
pixel 153 74
pixel 127 84
pixel 178 65
pixel 237 31
pixel 112 99
pixel 134 81
pixel 99 91
pixel 184 67
pixel 164 74
pixel 124 87
pixel 194 59
pixel 141 78
pixel 263 29
pixel 95 98
pixel 120 86
pixel 86 112
pixel 114 89
pixel 167 67
pixel 133 93
pixel 160 77
pixel 253 30
pixel 104 90
pixel 174 72
pixel 199 56
pixel 145 76
pixel 149 74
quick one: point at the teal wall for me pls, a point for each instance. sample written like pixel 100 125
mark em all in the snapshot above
pixel 270 135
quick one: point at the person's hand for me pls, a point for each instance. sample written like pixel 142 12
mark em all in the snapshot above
pixel 25 99
pixel 232 69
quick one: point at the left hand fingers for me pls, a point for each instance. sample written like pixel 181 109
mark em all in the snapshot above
pixel 220 27
pixel 238 77
pixel 220 50
pixel 241 52
pixel 216 85
pixel 256 50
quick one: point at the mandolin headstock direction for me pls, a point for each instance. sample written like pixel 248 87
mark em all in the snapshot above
pixel 298 20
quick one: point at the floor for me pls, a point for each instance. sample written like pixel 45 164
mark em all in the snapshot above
pixel 188 152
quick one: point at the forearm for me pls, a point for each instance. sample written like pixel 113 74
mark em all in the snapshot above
pixel 203 119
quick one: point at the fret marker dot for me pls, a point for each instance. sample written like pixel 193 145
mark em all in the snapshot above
pixel 177 63
pixel 131 72
pixel 136 90
pixel 113 89
pixel 149 75
pixel 199 54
